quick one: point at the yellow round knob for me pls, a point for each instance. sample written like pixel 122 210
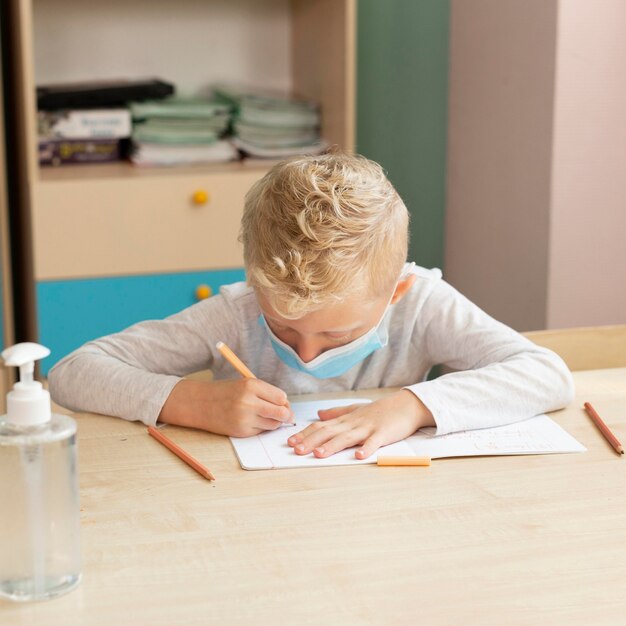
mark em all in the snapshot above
pixel 203 292
pixel 200 197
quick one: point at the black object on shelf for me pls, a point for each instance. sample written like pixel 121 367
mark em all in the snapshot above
pixel 97 94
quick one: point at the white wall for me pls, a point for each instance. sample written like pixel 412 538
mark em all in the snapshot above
pixel 207 41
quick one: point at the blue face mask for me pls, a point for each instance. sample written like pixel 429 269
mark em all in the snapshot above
pixel 336 361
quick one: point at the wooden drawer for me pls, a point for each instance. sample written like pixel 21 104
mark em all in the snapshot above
pixel 138 224
pixel 71 312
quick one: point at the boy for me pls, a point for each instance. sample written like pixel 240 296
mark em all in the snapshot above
pixel 330 305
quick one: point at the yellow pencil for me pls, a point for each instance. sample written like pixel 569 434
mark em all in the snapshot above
pixel 234 360
pixel 403 460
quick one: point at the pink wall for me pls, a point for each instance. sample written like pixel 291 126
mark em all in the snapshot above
pixel 536 189
pixel 587 267
pixel 499 154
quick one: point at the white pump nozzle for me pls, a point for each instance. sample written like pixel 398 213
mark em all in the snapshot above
pixel 28 404
pixel 24 355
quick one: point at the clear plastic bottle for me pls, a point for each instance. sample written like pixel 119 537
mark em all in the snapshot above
pixel 39 510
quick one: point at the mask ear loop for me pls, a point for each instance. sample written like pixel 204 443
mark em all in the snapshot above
pixel 407 271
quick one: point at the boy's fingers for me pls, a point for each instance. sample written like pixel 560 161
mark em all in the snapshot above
pixel 274 397
pixel 313 439
pixel 341 441
pixel 294 440
pixel 263 423
pixel 275 412
pixel 370 446
pixel 320 436
pixel 269 393
pixel 337 411
pixel 311 429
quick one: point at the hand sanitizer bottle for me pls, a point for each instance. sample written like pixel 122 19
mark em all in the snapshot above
pixel 39 510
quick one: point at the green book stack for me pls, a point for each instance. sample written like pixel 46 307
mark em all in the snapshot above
pixel 272 126
pixel 181 130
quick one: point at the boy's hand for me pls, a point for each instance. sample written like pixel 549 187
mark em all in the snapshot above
pixel 371 426
pixel 238 408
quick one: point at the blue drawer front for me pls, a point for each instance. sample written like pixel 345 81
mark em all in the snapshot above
pixel 71 312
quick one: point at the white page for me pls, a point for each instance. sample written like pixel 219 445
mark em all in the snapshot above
pixel 537 435
pixel 270 450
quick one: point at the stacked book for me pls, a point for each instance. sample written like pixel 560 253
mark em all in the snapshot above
pixel 88 121
pixel 272 126
pixel 82 135
pixel 178 131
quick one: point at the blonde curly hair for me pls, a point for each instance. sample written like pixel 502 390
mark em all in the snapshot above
pixel 319 229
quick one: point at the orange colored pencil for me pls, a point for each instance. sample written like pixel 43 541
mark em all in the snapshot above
pixel 234 360
pixel 180 453
pixel 237 363
pixel 603 428
pixel 390 461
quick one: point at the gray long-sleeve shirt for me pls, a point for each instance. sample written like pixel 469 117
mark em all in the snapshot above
pixel 502 377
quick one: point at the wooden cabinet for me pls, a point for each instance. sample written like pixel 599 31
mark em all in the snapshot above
pixel 132 225
pixel 115 243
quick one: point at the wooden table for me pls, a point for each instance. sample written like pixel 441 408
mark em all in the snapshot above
pixel 510 540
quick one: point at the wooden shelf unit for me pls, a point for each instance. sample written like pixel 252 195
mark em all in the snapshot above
pixel 118 220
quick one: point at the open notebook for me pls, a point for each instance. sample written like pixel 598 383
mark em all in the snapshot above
pixel 537 435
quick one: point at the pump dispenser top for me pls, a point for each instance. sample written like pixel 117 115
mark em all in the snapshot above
pixel 28 404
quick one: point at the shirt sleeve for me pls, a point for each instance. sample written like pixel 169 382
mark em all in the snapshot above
pixel 130 374
pixel 502 377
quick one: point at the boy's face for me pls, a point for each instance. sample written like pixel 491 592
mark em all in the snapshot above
pixel 331 326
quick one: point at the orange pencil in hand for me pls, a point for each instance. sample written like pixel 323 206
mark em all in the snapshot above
pixel 237 363
pixel 234 360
